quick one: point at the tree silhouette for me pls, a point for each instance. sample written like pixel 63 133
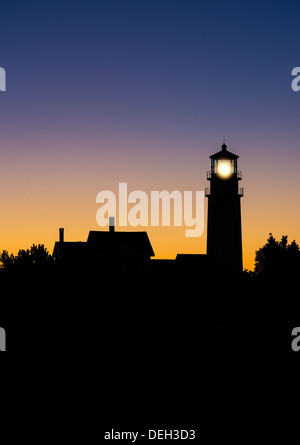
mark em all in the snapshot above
pixel 36 255
pixel 278 259
pixel 34 258
pixel 6 260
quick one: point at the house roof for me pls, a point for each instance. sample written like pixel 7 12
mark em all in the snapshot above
pixel 224 154
pixel 69 249
pixel 120 243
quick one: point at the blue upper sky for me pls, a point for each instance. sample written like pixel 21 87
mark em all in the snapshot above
pixel 201 67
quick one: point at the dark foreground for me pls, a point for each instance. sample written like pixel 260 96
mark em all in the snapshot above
pixel 165 352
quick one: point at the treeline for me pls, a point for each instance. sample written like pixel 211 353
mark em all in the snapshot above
pixel 36 257
pixel 278 259
pixel 274 259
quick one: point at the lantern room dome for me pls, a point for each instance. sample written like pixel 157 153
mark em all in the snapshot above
pixel 224 154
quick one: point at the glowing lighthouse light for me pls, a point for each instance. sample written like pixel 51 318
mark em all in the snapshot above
pixel 224 168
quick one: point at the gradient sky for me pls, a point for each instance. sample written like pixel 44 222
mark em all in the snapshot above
pixel 102 92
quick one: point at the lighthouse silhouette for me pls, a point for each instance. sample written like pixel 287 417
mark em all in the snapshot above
pixel 224 228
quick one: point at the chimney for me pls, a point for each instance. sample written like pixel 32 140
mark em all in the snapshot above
pixel 61 235
pixel 111 224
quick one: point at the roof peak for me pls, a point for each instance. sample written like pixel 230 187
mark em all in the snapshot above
pixel 224 153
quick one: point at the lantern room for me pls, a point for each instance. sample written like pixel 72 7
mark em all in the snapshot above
pixel 224 164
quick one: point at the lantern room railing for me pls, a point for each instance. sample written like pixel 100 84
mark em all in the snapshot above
pixel 209 174
pixel 240 191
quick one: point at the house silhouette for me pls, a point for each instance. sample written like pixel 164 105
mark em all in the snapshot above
pixel 111 251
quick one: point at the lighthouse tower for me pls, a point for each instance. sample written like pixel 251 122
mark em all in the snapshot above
pixel 224 228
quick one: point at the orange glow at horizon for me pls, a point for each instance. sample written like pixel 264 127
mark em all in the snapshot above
pixel 55 190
